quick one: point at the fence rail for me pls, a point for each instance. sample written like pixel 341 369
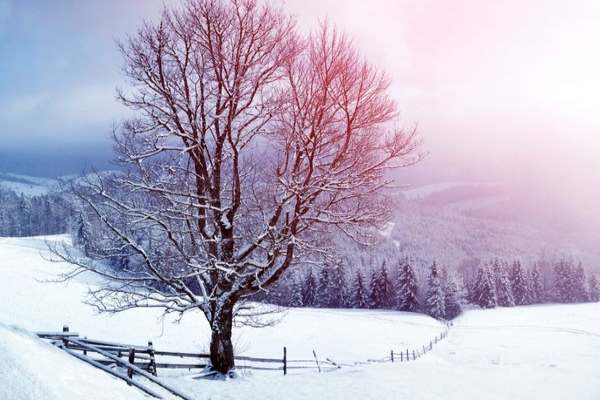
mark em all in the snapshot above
pixel 142 360
pixel 405 355
pixel 145 357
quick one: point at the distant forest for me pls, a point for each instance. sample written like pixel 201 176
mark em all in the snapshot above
pixel 379 278
pixel 442 293
pixel 46 214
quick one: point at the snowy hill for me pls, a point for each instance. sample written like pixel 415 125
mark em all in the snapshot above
pixel 454 223
pixel 31 369
pixel 449 191
pixel 459 223
pixel 26 185
pixel 546 352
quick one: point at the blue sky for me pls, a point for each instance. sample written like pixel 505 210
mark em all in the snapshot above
pixel 59 68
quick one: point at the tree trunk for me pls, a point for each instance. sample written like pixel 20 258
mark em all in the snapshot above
pixel 221 347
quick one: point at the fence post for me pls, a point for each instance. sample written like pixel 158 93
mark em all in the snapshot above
pixel 392 355
pixel 431 345
pixel 84 350
pixel 284 360
pixel 401 354
pixel 407 356
pixel 317 360
pixel 65 329
pixel 131 361
pixel 423 349
pixel 152 364
pixel 414 356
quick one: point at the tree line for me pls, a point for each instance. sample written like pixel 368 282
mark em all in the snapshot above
pixel 507 285
pixel 442 293
pixel 45 214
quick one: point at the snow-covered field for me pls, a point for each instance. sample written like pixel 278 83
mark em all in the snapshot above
pixel 541 352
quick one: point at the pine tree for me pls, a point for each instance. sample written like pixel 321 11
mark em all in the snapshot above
pixel 296 295
pixel 381 289
pixel 580 293
pixel 407 289
pixel 81 236
pixel 338 289
pixel 504 291
pixel 452 305
pixel 484 293
pixel 563 285
pixel 593 288
pixel 374 291
pixel 434 300
pixel 308 290
pixel 536 286
pixel 323 299
pixel 24 215
pixel 359 292
pixel 276 294
pixel 519 284
pixel 387 288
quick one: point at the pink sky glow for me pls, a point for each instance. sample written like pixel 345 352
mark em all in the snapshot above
pixel 501 90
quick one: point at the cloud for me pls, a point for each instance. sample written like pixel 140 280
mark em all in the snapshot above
pixel 22 107
pixel 92 103
pixel 90 108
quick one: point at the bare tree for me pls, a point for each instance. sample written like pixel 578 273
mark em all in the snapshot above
pixel 250 143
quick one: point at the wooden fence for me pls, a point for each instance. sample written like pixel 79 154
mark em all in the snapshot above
pixel 146 360
pixel 405 355
pixel 150 359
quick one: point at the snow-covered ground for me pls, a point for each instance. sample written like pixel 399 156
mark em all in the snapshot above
pixel 542 352
pixel 31 369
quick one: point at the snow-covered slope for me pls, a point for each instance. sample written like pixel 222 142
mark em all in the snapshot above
pixel 443 190
pixel 26 185
pixel 452 238
pixel 458 223
pixel 33 370
pixel 545 352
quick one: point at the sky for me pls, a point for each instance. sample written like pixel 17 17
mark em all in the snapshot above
pixel 500 90
pixel 59 68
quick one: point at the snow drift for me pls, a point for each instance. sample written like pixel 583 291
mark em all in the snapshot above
pixel 33 370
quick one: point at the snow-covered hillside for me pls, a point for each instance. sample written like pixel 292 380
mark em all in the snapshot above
pixel 458 223
pixel 546 352
pixel 450 191
pixel 453 223
pixel 26 185
pixel 31 369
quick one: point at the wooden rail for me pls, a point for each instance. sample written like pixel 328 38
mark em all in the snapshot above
pixel 141 360
pixel 111 372
pixel 405 355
